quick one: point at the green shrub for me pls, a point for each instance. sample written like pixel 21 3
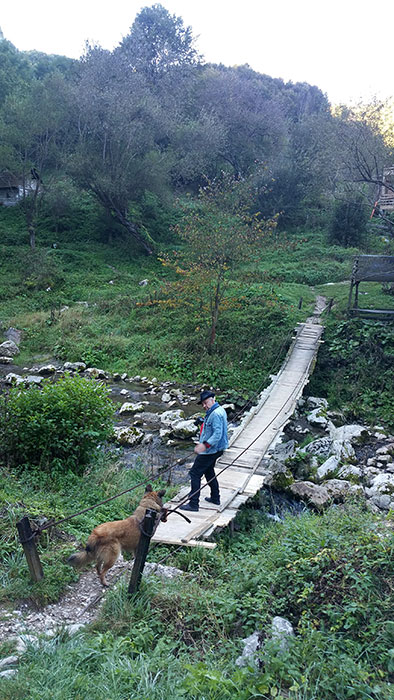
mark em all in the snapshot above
pixel 349 222
pixel 56 426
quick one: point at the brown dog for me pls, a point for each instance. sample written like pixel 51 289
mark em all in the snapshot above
pixel 106 541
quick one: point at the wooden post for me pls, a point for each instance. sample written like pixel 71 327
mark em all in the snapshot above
pixel 356 296
pixel 330 303
pixel 26 537
pixel 350 296
pixel 142 550
pixel 300 303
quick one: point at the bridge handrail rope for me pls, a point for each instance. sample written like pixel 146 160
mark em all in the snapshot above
pixel 51 524
pixel 247 479
pixel 38 530
pixel 248 446
pixel 208 523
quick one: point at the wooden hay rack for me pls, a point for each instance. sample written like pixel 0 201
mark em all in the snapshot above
pixel 370 268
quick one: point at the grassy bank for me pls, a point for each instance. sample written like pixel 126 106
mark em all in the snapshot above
pixel 355 365
pixel 329 575
pixel 123 326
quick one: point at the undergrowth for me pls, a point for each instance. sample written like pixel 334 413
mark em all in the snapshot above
pixel 330 575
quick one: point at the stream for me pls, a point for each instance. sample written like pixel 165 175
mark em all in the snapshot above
pixel 153 453
pixel 156 454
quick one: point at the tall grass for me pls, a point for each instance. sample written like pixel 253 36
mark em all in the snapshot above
pixel 329 575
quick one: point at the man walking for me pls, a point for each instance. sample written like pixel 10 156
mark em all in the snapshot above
pixel 213 441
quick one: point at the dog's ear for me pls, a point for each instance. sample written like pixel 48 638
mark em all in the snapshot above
pixel 148 488
pixel 161 493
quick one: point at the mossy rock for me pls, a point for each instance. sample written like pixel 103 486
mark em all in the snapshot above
pixel 282 480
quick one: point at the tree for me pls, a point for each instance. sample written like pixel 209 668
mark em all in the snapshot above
pixel 247 106
pixel 15 69
pixel 157 43
pixel 365 146
pixel 117 155
pixel 34 129
pixel 349 220
pixel 219 233
pixel 305 172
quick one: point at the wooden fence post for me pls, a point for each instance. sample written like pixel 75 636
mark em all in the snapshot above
pixel 26 537
pixel 142 550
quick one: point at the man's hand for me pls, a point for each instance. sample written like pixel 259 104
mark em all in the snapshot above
pixel 200 448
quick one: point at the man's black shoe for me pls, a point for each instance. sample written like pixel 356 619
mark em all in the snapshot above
pixel 209 499
pixel 187 506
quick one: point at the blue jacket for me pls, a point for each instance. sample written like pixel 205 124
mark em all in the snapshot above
pixel 214 430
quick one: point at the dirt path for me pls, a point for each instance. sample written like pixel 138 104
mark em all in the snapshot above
pixel 78 606
pixel 320 306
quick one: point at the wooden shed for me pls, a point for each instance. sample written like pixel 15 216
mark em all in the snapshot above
pixel 9 190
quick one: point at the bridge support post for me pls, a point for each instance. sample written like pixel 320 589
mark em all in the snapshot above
pixel 147 527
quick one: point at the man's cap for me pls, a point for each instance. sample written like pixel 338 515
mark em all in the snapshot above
pixel 206 395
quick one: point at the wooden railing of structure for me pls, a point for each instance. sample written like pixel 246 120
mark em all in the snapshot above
pixel 370 268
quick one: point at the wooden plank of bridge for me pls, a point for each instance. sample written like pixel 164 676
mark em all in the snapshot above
pixel 243 476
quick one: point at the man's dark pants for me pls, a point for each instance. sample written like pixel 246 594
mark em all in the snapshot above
pixel 204 466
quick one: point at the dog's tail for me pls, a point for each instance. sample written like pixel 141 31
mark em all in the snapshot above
pixel 87 555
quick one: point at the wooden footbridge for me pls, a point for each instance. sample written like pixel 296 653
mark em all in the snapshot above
pixel 238 471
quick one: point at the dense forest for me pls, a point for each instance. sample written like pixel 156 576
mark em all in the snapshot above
pixel 131 128
pixel 165 217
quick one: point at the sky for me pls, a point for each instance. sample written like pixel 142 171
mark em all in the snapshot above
pixel 342 46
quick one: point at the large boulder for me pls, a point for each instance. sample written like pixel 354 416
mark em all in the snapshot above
pixel 282 631
pixel 349 432
pixel 15 379
pixel 349 471
pixel 14 334
pixel 383 483
pixel 381 491
pixel 338 489
pixel 128 409
pixel 74 366
pixel 297 429
pixel 315 495
pixel 320 447
pixel 279 477
pixel 168 418
pixel 251 646
pixel 33 379
pixel 164 434
pixel 47 370
pixel 316 402
pixel 328 468
pixel 318 418
pixel 184 429
pixel 96 373
pixel 343 450
pixel 8 349
pixel 150 417
pixel 284 450
pixel 128 436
